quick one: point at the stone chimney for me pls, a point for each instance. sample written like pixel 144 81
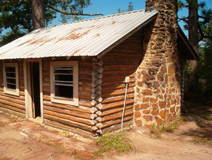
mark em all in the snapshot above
pixel 158 78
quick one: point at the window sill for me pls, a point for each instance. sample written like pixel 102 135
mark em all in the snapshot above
pixel 12 92
pixel 65 101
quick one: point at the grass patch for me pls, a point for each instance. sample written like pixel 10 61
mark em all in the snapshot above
pixel 112 142
pixel 200 140
pixel 157 131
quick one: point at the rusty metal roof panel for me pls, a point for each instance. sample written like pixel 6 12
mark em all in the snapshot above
pixel 84 38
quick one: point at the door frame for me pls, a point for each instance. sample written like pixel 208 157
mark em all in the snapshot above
pixel 27 88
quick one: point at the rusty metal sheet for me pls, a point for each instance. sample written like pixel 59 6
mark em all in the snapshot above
pixel 84 38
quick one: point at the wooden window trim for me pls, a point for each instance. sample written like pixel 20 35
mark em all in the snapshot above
pixel 9 90
pixel 75 100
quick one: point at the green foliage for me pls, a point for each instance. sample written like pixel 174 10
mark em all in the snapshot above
pixel 130 8
pixel 113 142
pixel 157 131
pixel 202 88
pixel 17 19
pixel 200 140
pixel 204 17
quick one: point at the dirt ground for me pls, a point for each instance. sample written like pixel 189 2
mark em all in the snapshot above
pixel 21 139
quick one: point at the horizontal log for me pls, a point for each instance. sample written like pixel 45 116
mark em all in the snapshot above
pixel 85 103
pixel 117 104
pixel 68 117
pixel 115 87
pixel 116 127
pixel 12 108
pixel 13 97
pixel 119 67
pixel 116 82
pixel 67 111
pixel 117 115
pixel 13 104
pixel 85 69
pixel 115 110
pixel 12 112
pixel 85 96
pixel 21 93
pixel 13 100
pixel 68 107
pixel 117 93
pixel 68 128
pixel 116 99
pixel 118 121
pixel 68 123
pixel 85 76
pixel 46 98
pixel 116 77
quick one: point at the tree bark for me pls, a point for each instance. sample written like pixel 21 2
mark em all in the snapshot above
pixel 37 7
pixel 193 29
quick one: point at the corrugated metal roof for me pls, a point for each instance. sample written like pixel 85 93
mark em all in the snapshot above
pixel 84 38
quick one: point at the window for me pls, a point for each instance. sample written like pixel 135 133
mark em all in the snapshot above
pixel 10 71
pixel 64 82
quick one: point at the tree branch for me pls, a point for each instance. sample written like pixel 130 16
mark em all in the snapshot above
pixel 183 19
pixel 71 13
pixel 12 2
pixel 202 34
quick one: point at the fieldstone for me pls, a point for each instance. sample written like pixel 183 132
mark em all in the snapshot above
pixel 160 76
pixel 148 77
pixel 147 118
pixel 137 114
pixel 171 69
pixel 157 91
pixel 162 104
pixel 137 107
pixel 147 92
pixel 155 112
pixel 138 123
pixel 147 125
pixel 159 121
pixel 144 106
pixel 145 99
pixel 163 69
pixel 146 111
pixel 140 83
pixel 156 84
pixel 163 114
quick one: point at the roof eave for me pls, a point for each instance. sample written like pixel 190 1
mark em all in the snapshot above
pixel 193 54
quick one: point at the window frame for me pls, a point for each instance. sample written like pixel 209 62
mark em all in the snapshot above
pixel 9 90
pixel 64 100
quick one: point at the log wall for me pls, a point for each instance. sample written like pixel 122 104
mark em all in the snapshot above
pixel 10 102
pixel 120 62
pixel 69 117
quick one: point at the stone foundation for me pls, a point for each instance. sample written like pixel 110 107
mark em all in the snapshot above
pixel 158 78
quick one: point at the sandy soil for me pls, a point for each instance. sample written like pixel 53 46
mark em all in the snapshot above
pixel 21 139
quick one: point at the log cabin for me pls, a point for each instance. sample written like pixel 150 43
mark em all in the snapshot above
pixel 100 74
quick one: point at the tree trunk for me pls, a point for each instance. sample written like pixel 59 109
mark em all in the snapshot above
pixel 37 7
pixel 193 29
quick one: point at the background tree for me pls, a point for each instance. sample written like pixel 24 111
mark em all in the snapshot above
pixel 199 26
pixel 23 16
pixel 130 8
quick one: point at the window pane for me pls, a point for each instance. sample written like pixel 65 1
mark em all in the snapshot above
pixel 64 77
pixel 11 86
pixel 10 77
pixel 68 70
pixel 10 69
pixel 9 80
pixel 9 74
pixel 64 91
